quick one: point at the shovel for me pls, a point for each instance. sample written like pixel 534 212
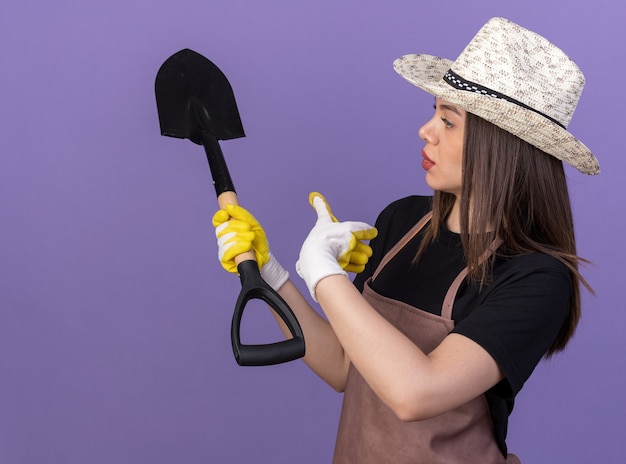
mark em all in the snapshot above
pixel 195 101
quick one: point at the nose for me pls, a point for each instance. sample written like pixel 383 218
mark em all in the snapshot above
pixel 427 132
pixel 422 133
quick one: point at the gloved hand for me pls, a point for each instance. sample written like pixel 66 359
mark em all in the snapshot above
pixel 353 260
pixel 327 243
pixel 238 231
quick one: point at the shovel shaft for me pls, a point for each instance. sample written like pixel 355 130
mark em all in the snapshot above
pixel 224 187
pixel 219 170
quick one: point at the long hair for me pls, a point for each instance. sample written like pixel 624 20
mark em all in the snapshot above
pixel 517 193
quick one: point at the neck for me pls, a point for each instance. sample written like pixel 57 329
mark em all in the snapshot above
pixel 453 221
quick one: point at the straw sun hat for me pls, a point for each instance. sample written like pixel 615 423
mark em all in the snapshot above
pixel 515 79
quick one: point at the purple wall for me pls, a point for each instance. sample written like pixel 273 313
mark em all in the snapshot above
pixel 114 312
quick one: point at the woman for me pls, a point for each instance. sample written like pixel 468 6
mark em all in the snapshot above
pixel 466 291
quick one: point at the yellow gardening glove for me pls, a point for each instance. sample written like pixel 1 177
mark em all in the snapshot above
pixel 237 231
pixel 355 259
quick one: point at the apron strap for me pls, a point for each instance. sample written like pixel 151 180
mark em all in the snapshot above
pixel 448 302
pixel 402 242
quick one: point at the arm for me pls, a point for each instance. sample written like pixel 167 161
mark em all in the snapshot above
pixel 415 386
pixel 324 354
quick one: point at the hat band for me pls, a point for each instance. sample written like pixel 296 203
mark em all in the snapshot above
pixel 459 83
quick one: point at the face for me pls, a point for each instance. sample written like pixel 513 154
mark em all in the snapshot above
pixel 443 152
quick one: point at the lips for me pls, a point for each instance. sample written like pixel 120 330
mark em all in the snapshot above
pixel 427 163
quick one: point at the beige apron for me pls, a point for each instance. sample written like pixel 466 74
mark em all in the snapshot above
pixel 369 432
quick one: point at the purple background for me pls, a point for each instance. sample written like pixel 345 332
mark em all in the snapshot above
pixel 114 312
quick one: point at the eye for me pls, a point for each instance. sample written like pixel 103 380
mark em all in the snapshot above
pixel 447 123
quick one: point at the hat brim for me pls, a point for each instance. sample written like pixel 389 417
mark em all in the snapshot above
pixel 426 72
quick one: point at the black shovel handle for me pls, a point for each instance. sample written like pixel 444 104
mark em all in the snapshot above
pixel 252 284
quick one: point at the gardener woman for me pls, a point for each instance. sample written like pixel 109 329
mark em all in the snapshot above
pixel 466 290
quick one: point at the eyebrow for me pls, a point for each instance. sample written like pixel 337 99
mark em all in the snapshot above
pixel 443 106
pixel 454 109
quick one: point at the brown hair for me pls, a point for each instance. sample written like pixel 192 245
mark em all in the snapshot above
pixel 518 194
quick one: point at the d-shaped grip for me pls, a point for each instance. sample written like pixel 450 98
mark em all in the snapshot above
pixel 254 287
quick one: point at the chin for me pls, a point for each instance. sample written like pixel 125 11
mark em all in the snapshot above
pixel 447 187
